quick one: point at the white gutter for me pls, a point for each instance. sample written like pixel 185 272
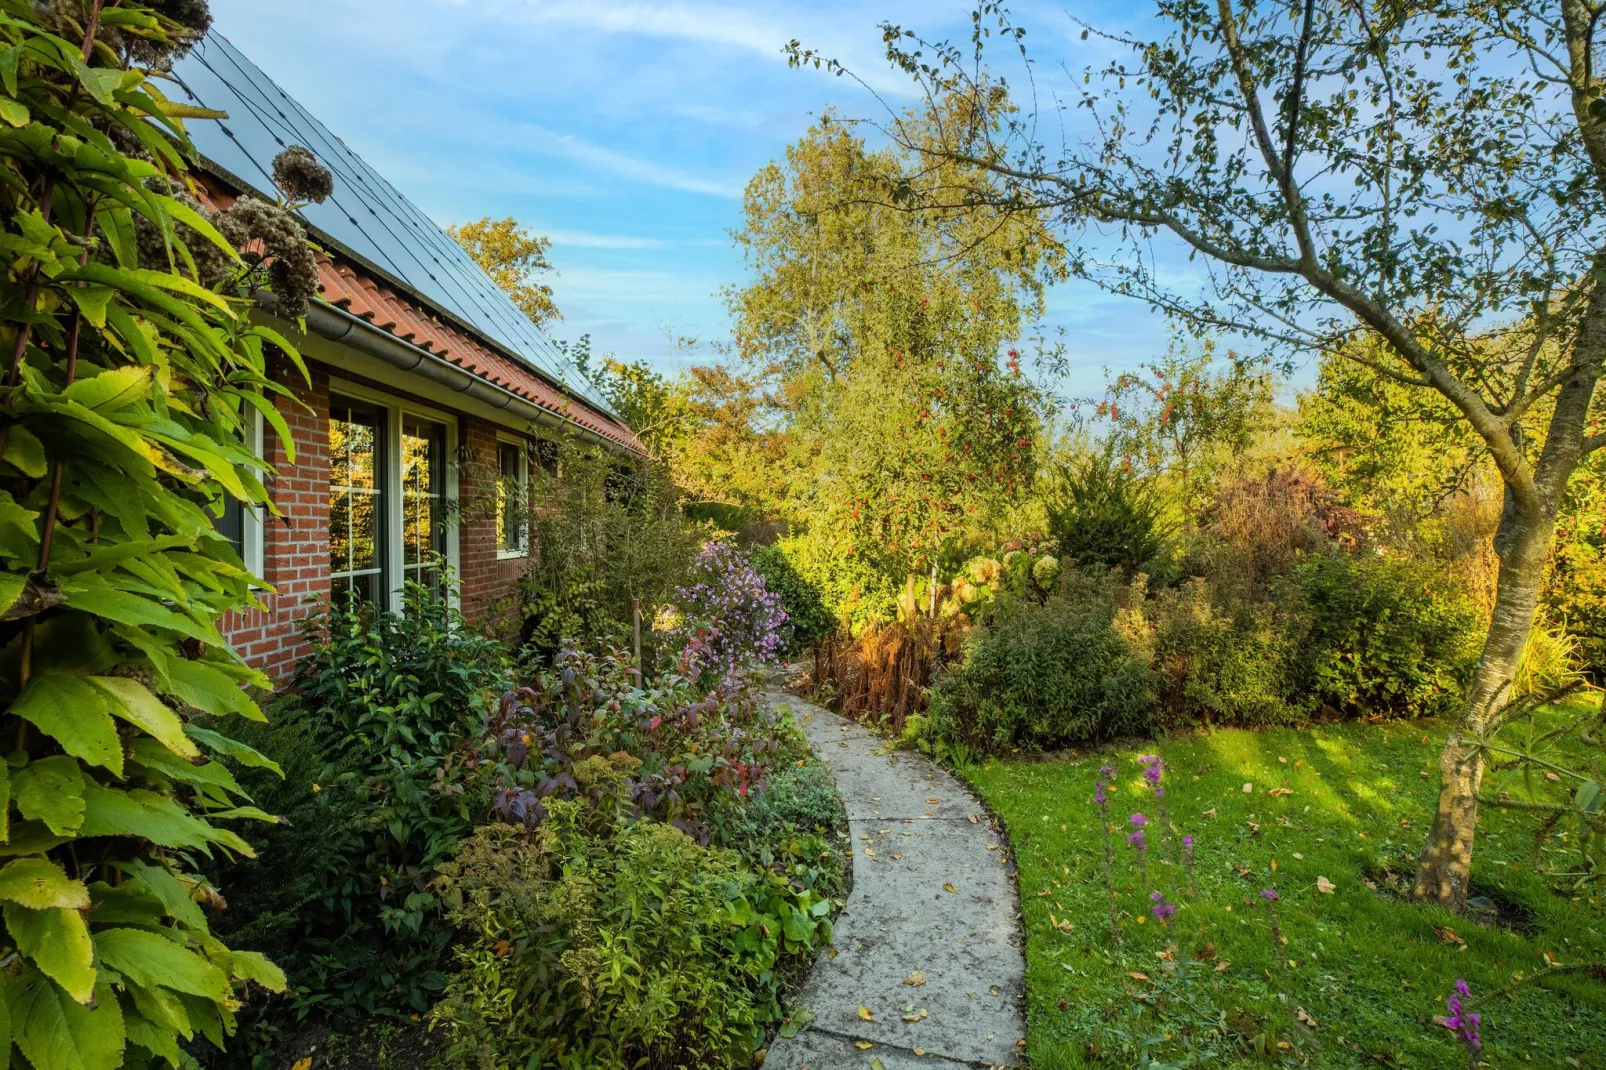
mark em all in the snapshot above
pixel 344 328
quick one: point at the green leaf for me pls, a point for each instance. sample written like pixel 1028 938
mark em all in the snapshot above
pixel 134 703
pixel 143 814
pixel 13 112
pixel 164 1008
pixel 30 838
pixel 1588 797
pixel 156 1039
pixel 54 1031
pixel 229 748
pixel 58 943
pixel 173 893
pixel 207 689
pixel 212 778
pixel 125 608
pixel 76 715
pixel 51 790
pixel 110 390
pixel 252 966
pixel 25 452
pixel 40 884
pixel 93 302
pixel 148 959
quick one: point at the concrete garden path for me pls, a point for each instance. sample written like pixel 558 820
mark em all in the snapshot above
pixel 928 968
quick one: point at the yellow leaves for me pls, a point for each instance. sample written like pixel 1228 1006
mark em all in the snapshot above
pixel 1279 792
pixel 862 1045
pixel 866 1013
pixel 933 800
pixel 915 979
pixel 303 1064
pixel 949 887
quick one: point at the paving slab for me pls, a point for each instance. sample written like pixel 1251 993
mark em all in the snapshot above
pixel 934 896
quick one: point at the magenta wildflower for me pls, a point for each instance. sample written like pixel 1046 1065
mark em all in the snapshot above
pixel 1140 844
pixel 1163 908
pixel 1464 1023
pixel 1101 796
pixel 1271 897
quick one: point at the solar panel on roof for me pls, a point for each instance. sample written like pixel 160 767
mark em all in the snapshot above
pixel 366 216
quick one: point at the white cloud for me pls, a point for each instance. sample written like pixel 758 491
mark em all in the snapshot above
pixel 580 239
pixel 764 34
pixel 624 165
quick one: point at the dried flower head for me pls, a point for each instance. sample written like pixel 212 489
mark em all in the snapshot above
pixel 301 177
pixel 292 267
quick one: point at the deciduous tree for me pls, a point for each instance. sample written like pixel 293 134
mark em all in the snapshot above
pixel 1421 173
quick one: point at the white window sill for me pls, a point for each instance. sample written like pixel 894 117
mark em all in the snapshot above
pixel 512 555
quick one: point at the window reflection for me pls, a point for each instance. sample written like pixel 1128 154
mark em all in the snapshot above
pixel 356 509
pixel 423 471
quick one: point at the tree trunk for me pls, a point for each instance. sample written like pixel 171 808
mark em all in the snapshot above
pixel 1445 867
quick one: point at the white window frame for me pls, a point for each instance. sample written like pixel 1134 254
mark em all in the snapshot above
pixel 253 526
pixel 396 410
pixel 523 447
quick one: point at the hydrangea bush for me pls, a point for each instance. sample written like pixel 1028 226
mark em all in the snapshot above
pixel 725 619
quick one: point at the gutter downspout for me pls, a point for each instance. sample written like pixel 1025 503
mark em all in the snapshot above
pixel 344 328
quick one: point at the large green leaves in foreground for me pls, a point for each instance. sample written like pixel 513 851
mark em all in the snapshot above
pixel 125 390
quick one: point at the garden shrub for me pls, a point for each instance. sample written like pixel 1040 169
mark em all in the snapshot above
pixel 808 621
pixel 1048 675
pixel 377 737
pixel 696 757
pixel 725 620
pixel 1380 636
pixel 1104 515
pixel 614 944
pixel 135 365
pixel 1219 665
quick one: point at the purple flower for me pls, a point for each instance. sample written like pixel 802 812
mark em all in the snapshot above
pixel 1100 796
pixel 1106 771
pixel 1138 820
pixel 1464 1024
pixel 1269 895
pixel 1187 841
pixel 1138 841
pixel 1162 908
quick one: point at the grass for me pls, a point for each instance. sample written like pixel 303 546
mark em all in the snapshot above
pixel 1366 970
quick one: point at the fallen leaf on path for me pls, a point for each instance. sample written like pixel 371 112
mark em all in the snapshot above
pixel 897 858
pixel 933 800
pixel 975 819
pixel 948 887
pixel 992 847
pixel 915 979
pixel 866 1013
pixel 877 1064
pixel 862 1045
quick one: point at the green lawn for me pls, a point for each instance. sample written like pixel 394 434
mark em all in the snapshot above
pixel 1368 969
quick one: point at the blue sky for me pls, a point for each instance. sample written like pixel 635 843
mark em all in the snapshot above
pixel 625 130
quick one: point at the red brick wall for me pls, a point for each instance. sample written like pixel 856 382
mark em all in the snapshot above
pixel 485 579
pixel 296 544
pixel 295 550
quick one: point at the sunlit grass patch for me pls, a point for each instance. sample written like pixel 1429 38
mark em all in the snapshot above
pixel 1367 970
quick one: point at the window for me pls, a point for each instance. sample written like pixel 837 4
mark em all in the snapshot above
pixel 242 526
pixel 423 473
pixel 390 491
pixel 512 500
pixel 356 503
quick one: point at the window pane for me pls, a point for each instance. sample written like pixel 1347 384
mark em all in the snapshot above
pixel 356 503
pixel 510 497
pixel 423 460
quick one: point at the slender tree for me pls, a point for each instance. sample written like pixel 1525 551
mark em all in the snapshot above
pixel 516 259
pixel 1426 173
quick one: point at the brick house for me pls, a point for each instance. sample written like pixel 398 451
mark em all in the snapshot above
pixel 428 387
